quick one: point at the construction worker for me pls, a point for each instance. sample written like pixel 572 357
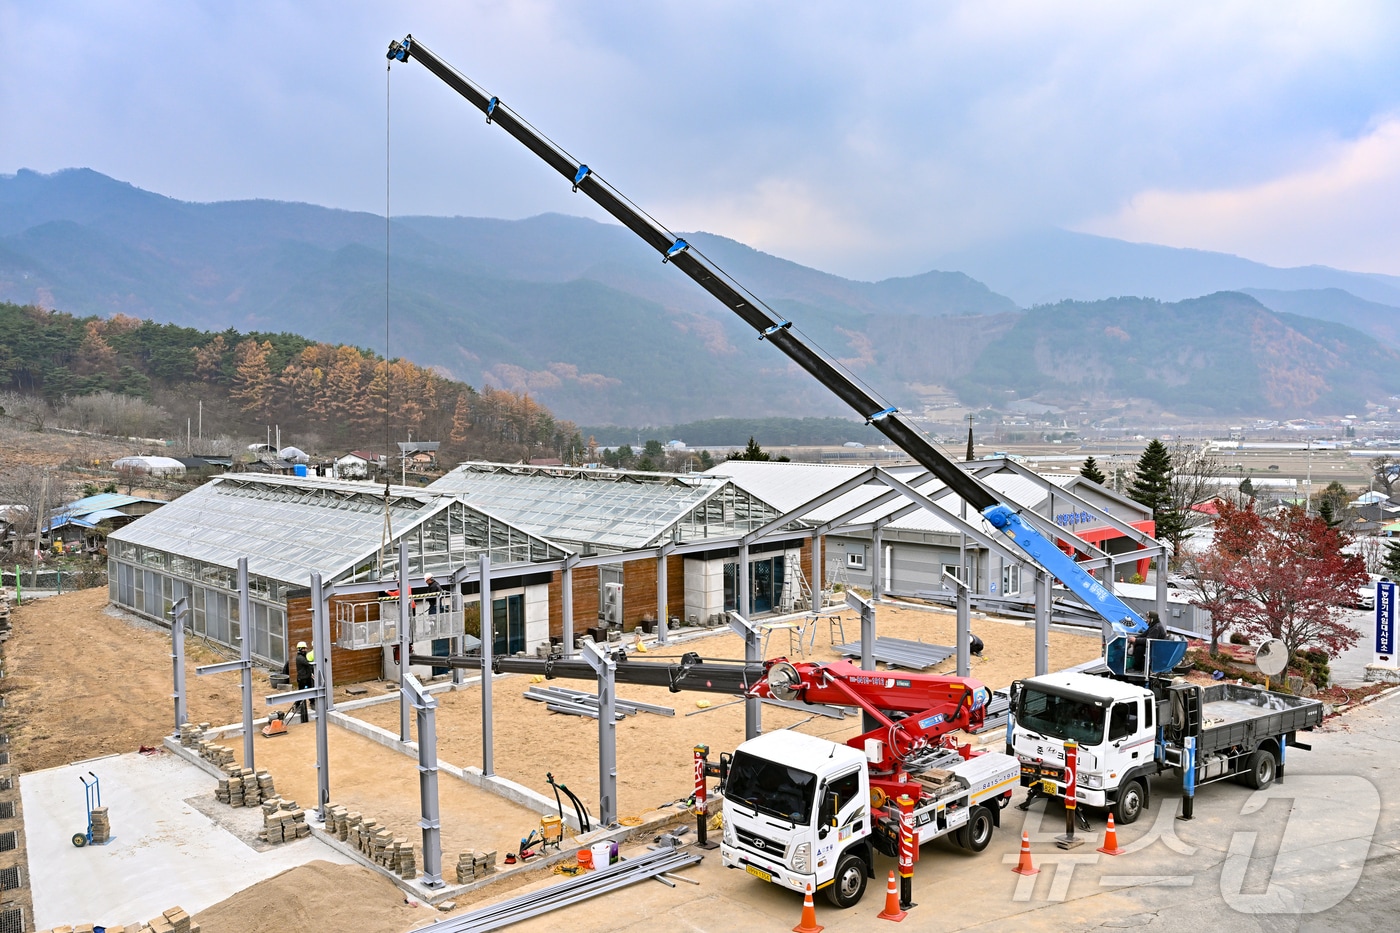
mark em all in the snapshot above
pixel 306 676
pixel 1137 644
pixel 434 589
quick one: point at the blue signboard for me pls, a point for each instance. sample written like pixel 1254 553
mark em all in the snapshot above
pixel 1385 619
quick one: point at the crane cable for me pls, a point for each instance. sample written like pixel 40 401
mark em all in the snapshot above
pixel 387 534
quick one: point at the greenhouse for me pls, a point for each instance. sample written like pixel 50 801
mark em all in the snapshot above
pixel 289 528
pixel 603 511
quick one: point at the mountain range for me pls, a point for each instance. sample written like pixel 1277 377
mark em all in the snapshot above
pixel 585 317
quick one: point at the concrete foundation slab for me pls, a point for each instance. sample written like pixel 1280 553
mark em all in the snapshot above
pixel 163 851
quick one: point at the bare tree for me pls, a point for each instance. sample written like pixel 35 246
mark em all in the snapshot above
pixel 1195 479
pixel 29 410
pixel 1372 550
pixel 1386 471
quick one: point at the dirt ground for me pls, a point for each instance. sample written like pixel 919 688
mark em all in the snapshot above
pixel 382 784
pixel 655 764
pixel 311 899
pixel 83 681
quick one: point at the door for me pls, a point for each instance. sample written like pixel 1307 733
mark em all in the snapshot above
pixel 508 625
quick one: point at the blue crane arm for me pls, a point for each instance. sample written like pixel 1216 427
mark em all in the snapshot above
pixel 779 331
pixel 1063 568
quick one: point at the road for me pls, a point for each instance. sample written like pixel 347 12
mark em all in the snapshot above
pixel 1319 852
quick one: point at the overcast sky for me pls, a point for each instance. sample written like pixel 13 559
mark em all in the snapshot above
pixel 860 138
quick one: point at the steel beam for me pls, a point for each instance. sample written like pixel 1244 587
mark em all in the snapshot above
pixel 488 646
pixel 606 669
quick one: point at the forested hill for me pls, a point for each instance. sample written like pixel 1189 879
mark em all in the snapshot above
pixel 331 397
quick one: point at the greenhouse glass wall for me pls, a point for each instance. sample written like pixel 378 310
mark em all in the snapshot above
pixel 289 528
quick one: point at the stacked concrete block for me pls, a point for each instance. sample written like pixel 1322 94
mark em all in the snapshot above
pixel 244 788
pixel 377 843
pixel 220 755
pixel 338 821
pixel 402 861
pixel 101 826
pixel 190 734
pixel 173 920
pixel 474 865
pixel 283 821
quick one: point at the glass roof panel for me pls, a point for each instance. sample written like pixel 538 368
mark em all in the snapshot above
pixel 607 508
pixel 289 528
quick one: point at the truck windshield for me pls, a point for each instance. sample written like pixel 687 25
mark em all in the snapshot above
pixel 1061 717
pixel 775 789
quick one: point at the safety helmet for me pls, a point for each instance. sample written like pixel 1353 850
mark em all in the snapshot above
pixel 300 645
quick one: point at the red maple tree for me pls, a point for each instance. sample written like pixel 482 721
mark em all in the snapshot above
pixel 1279 576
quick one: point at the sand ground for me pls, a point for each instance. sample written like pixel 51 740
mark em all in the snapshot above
pixel 84 681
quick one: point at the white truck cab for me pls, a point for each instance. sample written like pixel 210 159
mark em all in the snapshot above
pixel 796 813
pixel 1114 724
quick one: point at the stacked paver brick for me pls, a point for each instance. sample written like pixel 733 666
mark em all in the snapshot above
pixel 475 865
pixel 173 920
pixel 283 821
pixel 375 842
pixel 244 787
pixel 101 826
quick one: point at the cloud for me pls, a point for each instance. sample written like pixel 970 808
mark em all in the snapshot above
pixel 1338 212
pixel 859 140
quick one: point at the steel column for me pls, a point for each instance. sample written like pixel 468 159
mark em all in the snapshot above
pixel 753 649
pixel 599 660
pixel 866 608
pixel 663 603
pixel 405 637
pixel 1042 622
pixel 177 660
pixel 567 593
pixel 488 646
pixel 877 560
pixel 425 707
pixel 320 644
pixel 459 675
pixel 816 573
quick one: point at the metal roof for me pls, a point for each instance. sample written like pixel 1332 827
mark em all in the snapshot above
pixel 610 509
pixel 101 501
pixel 791 485
pixel 290 527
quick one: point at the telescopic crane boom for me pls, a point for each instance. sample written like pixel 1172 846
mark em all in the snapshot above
pixel 779 331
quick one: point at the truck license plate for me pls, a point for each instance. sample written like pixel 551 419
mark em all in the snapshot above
pixel 1049 787
pixel 758 873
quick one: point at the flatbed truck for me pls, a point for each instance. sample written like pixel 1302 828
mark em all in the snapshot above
pixel 1127 733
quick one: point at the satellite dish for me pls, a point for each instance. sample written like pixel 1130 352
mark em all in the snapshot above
pixel 784 681
pixel 1271 657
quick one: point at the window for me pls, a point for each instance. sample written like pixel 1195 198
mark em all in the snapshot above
pixel 841 791
pixel 1011 580
pixel 1124 721
pixel 855 559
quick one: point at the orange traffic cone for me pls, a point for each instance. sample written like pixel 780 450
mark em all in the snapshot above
pixel 1026 866
pixel 809 915
pixel 1110 840
pixel 892 911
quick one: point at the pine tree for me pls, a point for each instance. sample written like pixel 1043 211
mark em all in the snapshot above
pixel 1390 567
pixel 1090 470
pixel 1152 481
pixel 752 452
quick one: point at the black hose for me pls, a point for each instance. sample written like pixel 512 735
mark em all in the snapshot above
pixel 549 776
pixel 585 824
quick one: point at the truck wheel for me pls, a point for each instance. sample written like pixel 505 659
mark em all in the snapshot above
pixel 978 830
pixel 848 884
pixel 1259 772
pixel 1130 800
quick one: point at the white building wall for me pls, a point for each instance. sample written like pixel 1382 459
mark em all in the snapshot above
pixel 536 617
